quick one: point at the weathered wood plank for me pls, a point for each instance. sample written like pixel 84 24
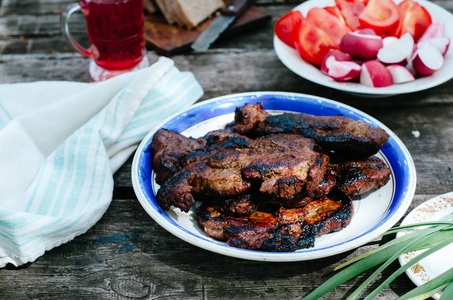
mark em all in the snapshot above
pixel 128 255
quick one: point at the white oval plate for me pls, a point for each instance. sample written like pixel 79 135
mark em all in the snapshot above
pixel 440 261
pixel 293 61
pixel 374 213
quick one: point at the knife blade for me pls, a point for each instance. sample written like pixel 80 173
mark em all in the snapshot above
pixel 232 10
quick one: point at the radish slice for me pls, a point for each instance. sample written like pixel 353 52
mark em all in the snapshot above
pixel 436 29
pixel 368 31
pixel 400 74
pixel 332 55
pixel 361 46
pixel 397 51
pixel 441 43
pixel 389 39
pixel 375 74
pixel 344 70
pixel 427 60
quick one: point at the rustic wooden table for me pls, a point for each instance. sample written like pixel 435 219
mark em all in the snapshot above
pixel 126 254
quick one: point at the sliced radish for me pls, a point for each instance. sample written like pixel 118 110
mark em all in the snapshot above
pixel 333 55
pixel 375 74
pixel 397 51
pixel 389 39
pixel 400 74
pixel 344 70
pixel 361 46
pixel 368 31
pixel 427 60
pixel 441 43
pixel 436 29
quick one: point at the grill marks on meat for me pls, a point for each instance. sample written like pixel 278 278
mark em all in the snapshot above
pixel 172 151
pixel 168 149
pixel 282 230
pixel 199 178
pixel 281 169
pixel 337 135
pixel 284 165
pixel 358 177
pixel 277 189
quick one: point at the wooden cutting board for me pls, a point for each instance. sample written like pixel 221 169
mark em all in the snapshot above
pixel 169 40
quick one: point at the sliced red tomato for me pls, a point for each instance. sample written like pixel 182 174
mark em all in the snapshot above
pixel 334 10
pixel 284 27
pixel 328 23
pixel 351 9
pixel 414 19
pixel 380 15
pixel 312 42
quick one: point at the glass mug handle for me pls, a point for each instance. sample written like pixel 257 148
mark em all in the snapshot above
pixel 64 26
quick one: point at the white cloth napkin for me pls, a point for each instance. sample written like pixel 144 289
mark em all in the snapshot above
pixel 61 142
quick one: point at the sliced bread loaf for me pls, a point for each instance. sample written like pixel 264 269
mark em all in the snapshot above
pixel 188 13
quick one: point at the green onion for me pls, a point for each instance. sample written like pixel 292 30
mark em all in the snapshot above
pixel 447 293
pixel 432 237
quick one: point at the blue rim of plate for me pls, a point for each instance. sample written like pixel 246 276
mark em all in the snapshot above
pixel 394 151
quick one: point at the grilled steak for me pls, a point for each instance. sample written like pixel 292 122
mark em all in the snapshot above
pixel 337 135
pixel 358 177
pixel 168 149
pixel 199 178
pixel 282 230
pixel 280 169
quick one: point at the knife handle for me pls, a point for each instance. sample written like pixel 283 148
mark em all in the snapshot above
pixel 235 7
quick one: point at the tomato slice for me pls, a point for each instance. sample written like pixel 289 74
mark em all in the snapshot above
pixel 380 15
pixel 334 10
pixel 414 19
pixel 284 26
pixel 312 42
pixel 328 23
pixel 351 9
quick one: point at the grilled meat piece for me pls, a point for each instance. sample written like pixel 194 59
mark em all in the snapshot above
pixel 284 165
pixel 325 187
pixel 200 178
pixel 337 135
pixel 168 149
pixel 249 117
pixel 238 206
pixel 173 151
pixel 358 177
pixel 280 172
pixel 284 230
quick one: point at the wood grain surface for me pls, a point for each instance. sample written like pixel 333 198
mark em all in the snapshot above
pixel 126 255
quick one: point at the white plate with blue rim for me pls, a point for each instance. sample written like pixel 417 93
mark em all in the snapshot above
pixel 291 58
pixel 374 212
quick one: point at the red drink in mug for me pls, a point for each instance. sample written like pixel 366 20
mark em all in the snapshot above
pixel 115 29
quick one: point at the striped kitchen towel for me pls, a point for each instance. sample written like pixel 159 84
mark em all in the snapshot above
pixel 61 142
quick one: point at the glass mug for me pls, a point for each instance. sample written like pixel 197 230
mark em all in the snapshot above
pixel 115 29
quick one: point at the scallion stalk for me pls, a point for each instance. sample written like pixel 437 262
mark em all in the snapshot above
pixel 434 237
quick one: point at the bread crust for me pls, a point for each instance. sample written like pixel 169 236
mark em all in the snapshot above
pixel 188 13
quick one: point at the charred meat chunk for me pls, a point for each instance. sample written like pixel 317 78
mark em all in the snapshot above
pixel 249 117
pixel 337 135
pixel 284 230
pixel 278 171
pixel 358 177
pixel 199 178
pixel 168 149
